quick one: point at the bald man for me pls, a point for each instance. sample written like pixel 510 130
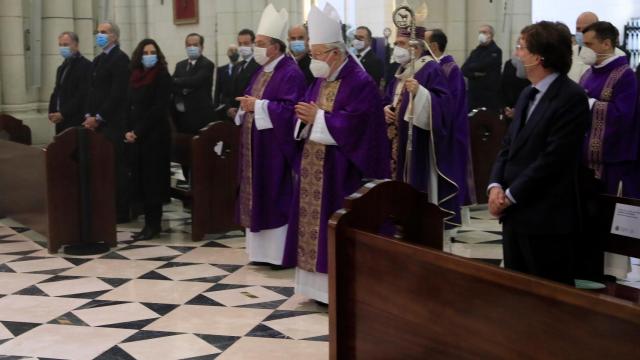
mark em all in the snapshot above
pixel 578 66
pixel 299 47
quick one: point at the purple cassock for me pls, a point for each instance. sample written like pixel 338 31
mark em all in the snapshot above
pixel 267 155
pixel 611 145
pixel 461 153
pixel 356 148
pixel 450 165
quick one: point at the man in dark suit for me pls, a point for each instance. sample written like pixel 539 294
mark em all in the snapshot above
pixel 533 184
pixel 482 69
pixel 67 102
pixel 371 63
pixel 193 88
pixel 299 45
pixel 107 104
pixel 244 71
pixel 224 82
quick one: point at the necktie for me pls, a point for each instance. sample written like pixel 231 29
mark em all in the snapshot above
pixel 240 67
pixel 189 66
pixel 525 110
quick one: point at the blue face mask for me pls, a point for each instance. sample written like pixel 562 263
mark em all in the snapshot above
pixel 149 61
pixel 102 40
pixel 297 46
pixel 579 38
pixel 193 52
pixel 65 51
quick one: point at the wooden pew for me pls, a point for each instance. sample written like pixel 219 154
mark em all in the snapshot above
pixel 486 131
pixel 41 189
pixel 18 132
pixel 395 299
pixel 213 158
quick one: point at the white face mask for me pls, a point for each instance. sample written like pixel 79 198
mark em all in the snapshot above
pixel 245 51
pixel 260 54
pixel 483 38
pixel 319 68
pixel 590 57
pixel 357 44
pixel 401 55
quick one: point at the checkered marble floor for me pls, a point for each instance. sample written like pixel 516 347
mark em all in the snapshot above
pixel 167 298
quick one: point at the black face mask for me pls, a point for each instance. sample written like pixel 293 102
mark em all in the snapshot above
pixel 234 57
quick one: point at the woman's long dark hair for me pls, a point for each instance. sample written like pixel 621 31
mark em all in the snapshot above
pixel 136 57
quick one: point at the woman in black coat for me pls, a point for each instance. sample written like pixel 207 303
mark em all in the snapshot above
pixel 149 133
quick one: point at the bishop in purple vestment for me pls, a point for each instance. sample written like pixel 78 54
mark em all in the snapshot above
pixel 434 166
pixel 461 152
pixel 267 147
pixel 342 130
pixel 611 145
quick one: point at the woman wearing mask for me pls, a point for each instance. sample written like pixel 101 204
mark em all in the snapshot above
pixel 150 133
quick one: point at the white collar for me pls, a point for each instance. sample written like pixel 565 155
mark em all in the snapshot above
pixel 335 75
pixel 272 65
pixel 364 52
pixel 607 61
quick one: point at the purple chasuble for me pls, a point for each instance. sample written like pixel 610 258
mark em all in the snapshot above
pixel 611 145
pixel 461 153
pixel 266 176
pixel 451 170
pixel 329 173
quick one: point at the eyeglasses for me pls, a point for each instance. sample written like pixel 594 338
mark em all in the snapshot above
pixel 520 47
pixel 315 56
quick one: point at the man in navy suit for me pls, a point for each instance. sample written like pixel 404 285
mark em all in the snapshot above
pixel 107 104
pixel 533 184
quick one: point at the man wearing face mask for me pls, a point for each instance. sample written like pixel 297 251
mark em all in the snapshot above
pixel 244 71
pixel 533 183
pixel 461 152
pixel 482 69
pixel 224 83
pixel 371 63
pixel 67 102
pixel 611 147
pixel 267 149
pixel 342 131
pixel 106 105
pixel 192 88
pixel 439 172
pixel 578 66
pixel 299 44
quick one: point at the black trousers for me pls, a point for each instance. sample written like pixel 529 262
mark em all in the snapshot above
pixel 548 256
pixel 122 171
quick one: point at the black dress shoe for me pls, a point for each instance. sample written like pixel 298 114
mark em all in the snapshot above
pixel 281 267
pixel 147 233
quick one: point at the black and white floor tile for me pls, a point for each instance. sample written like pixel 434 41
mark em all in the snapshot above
pixel 168 298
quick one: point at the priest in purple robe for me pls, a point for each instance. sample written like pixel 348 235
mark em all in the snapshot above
pixel 611 146
pixel 461 153
pixel 342 130
pixel 267 149
pixel 433 166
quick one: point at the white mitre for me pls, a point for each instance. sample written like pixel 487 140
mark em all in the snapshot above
pixel 273 23
pixel 324 26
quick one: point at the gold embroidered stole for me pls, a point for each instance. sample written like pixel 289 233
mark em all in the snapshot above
pixel 311 186
pixel 599 121
pixel 392 128
pixel 246 177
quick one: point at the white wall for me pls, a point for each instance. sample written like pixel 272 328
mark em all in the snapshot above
pixel 618 12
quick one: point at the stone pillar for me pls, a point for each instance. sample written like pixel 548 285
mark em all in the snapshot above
pixel 456 29
pixel 12 56
pixel 140 22
pixel 123 18
pixel 519 16
pixel 84 25
pixel 57 16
